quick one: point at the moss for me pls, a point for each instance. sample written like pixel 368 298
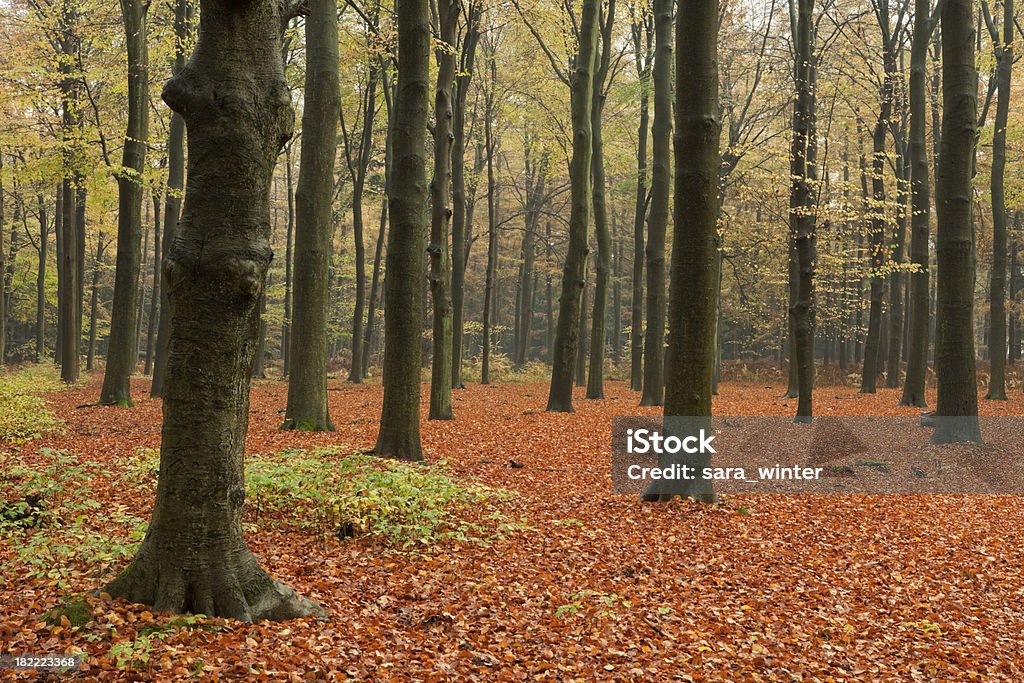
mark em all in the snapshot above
pixel 77 611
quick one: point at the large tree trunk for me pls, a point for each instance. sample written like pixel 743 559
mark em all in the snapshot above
pixel 172 195
pixel 997 293
pixel 599 317
pixel 694 276
pixel 657 218
pixel 441 215
pixel 917 356
pixel 314 230
pixel 403 315
pixel 957 404
pixel 802 207
pixel 235 102
pixel 122 349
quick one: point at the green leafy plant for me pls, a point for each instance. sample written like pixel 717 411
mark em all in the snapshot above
pixel 402 504
pixel 23 412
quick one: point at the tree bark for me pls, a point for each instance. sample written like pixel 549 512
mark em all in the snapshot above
pixel 470 40
pixel 997 292
pixel 90 357
pixel 957 404
pixel 599 317
pixel 235 102
pixel 154 299
pixel 41 281
pixel 441 215
pixel 70 304
pixel 920 216
pixel 172 195
pixel 657 218
pixel 286 325
pixel 643 34
pixel 122 349
pixel 803 157
pixel 403 318
pixel 307 408
pixel 694 275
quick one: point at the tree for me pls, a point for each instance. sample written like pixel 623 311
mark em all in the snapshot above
pixel 917 354
pixel 403 296
pixel 957 404
pixel 307 408
pixel 694 276
pixel 598 321
pixel 173 193
pixel 657 218
pixel 567 337
pixel 643 39
pixel 803 158
pixel 122 353
pixel 997 293
pixel 234 100
pixel 70 304
pixel 441 214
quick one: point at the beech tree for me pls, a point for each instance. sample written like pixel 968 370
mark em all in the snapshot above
pixel 399 434
pixel 657 219
pixel 233 98
pixel 307 408
pixel 122 353
pixel 694 279
pixel 957 403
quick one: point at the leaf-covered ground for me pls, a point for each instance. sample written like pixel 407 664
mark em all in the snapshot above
pixel 585 585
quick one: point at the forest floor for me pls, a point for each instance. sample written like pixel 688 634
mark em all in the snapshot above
pixel 577 584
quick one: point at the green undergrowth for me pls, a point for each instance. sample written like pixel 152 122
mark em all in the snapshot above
pixel 404 505
pixel 50 514
pixel 23 412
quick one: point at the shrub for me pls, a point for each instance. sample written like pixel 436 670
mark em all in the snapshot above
pixel 23 412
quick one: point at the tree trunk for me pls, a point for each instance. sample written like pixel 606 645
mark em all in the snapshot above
pixel 599 317
pixel 314 230
pixel 286 325
pixel 172 195
pixel 154 299
pixel 471 39
pixel 70 304
pixel 581 356
pixel 917 358
pixel 3 270
pixel 957 404
pixel 997 293
pixel 1014 326
pixel 695 263
pixel 403 319
pixel 41 282
pixel 876 247
pixel 441 215
pixel 90 358
pixel 535 180
pixel 802 205
pixel 492 228
pixel 235 102
pixel 657 219
pixel 636 336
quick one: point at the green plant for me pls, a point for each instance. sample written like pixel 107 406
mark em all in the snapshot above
pixel 402 504
pixel 23 412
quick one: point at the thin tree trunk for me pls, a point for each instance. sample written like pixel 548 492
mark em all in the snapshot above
pixel 307 408
pixel 657 219
pixel 122 345
pixel 172 196
pixel 41 281
pixel 603 262
pixel 643 34
pixel 997 292
pixel 90 358
pixel 154 299
pixel 492 230
pixel 920 216
pixel 286 325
